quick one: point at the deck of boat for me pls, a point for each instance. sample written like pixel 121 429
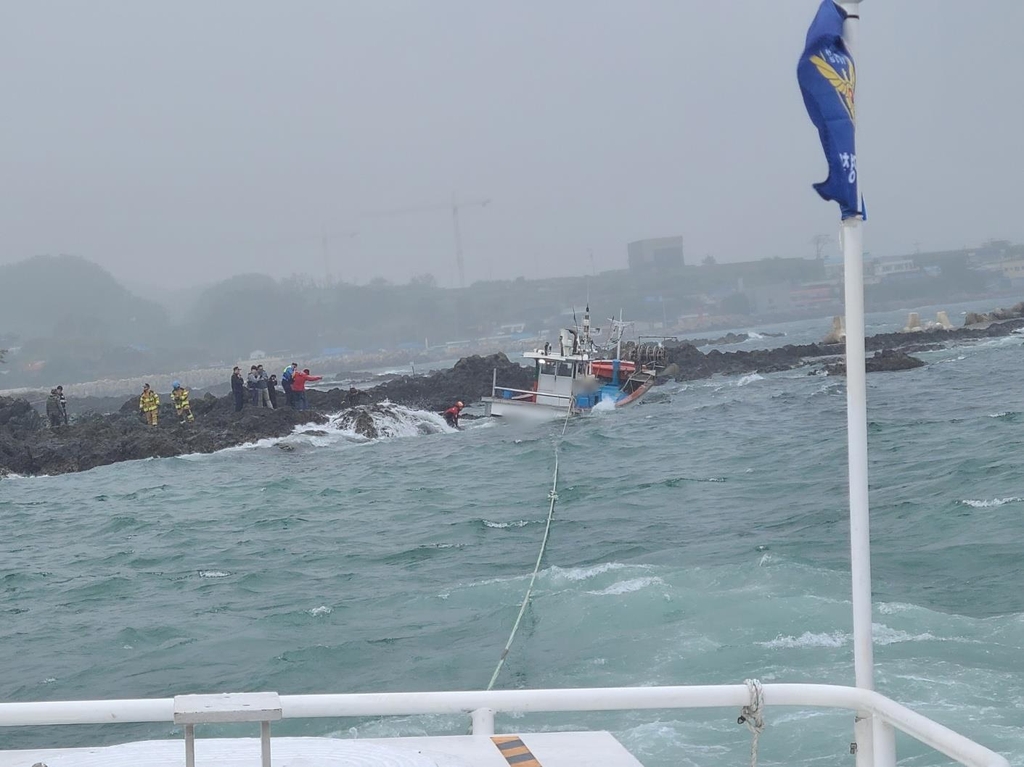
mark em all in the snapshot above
pixel 545 749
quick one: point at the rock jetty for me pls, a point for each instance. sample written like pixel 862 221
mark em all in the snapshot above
pixel 28 447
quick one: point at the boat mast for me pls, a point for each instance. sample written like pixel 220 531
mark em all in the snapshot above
pixel 618 343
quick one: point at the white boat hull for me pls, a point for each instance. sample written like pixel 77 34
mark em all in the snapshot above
pixel 523 410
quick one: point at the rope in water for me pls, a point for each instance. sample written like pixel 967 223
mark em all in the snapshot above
pixel 553 498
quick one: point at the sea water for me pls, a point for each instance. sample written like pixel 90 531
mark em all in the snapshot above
pixel 700 537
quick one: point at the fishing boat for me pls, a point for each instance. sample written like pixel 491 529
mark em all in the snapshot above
pixel 576 377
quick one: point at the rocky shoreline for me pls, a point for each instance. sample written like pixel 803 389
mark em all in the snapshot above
pixel 28 447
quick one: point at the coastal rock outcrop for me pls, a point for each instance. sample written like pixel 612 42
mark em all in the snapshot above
pixel 690 363
pixel 468 380
pixel 1014 312
pixel 886 361
pixel 28 447
pixel 99 440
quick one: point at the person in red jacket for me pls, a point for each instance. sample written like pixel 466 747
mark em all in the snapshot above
pixel 451 415
pixel 299 378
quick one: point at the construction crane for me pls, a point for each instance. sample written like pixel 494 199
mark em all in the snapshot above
pixel 454 206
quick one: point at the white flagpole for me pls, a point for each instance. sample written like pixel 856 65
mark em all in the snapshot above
pixel 857 444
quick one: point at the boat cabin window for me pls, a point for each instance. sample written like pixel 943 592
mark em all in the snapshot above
pixel 553 368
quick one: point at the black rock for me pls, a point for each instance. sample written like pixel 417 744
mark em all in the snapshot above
pixel 887 360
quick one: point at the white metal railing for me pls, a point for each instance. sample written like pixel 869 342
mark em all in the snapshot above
pixel 886 716
pixel 529 392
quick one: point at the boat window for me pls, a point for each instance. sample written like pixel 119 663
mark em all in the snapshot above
pixel 564 369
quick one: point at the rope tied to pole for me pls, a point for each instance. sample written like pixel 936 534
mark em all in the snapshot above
pixel 752 715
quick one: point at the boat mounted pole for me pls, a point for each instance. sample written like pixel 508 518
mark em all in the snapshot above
pixel 852 237
pixel 856 414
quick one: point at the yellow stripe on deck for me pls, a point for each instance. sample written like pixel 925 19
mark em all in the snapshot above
pixel 515 751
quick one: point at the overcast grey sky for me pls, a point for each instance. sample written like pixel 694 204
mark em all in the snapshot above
pixel 184 142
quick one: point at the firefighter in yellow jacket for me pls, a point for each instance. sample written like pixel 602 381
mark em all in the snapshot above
pixel 149 404
pixel 180 397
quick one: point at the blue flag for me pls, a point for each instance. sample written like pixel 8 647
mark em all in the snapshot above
pixel 827 78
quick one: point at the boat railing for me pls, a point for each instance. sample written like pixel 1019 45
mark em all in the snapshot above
pixel 886 716
pixel 525 393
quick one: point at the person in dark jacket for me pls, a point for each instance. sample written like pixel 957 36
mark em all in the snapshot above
pixel 254 392
pixel 272 390
pixel 53 409
pixel 238 388
pixel 62 402
pixel 263 388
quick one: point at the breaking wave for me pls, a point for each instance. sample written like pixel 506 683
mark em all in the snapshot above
pixel 994 502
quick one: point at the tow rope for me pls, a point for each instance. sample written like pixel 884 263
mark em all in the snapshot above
pixel 553 499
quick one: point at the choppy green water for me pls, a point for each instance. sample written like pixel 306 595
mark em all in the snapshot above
pixel 700 538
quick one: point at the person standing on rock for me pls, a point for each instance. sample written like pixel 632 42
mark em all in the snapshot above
pixel 262 387
pixel 286 384
pixel 299 378
pixel 272 391
pixel 238 388
pixel 149 404
pixel 254 394
pixel 53 409
pixel 179 395
pixel 62 402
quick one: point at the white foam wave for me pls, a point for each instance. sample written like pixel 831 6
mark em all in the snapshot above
pixel 807 639
pixel 749 379
pixel 893 608
pixel 321 610
pixel 626 587
pixel 506 525
pixel 571 574
pixel 389 421
pixel 604 406
pixel 990 503
pixel 882 634
pixel 586 573
pixel 754 336
pixel 213 574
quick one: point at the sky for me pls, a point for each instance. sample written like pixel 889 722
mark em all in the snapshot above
pixel 180 143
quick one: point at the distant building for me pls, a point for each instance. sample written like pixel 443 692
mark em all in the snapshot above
pixel 991 252
pixel 894 266
pixel 811 295
pixel 1014 272
pixel 769 299
pixel 658 252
